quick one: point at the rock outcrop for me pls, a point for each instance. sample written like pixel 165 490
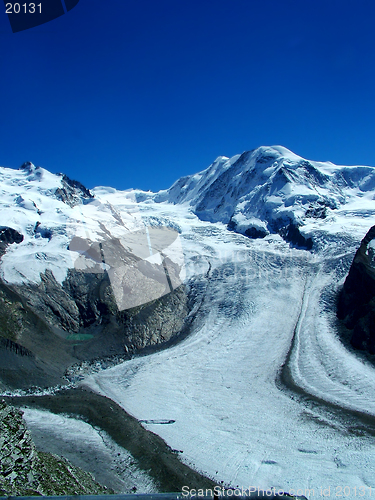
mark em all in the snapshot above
pixel 47 328
pixel 356 305
pixel 72 192
pixel 8 235
pixel 26 471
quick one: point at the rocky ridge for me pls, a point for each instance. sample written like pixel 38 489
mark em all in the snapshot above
pixel 46 328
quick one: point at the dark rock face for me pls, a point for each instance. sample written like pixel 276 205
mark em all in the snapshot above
pixel 255 233
pixel 292 234
pixel 251 232
pixel 356 305
pixel 8 235
pixel 47 328
pixel 28 166
pixel 72 192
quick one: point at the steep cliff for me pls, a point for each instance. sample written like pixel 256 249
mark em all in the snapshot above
pixel 48 327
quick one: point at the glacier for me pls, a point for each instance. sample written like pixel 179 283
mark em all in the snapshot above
pixel 236 417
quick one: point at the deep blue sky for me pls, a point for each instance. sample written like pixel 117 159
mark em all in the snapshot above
pixel 136 93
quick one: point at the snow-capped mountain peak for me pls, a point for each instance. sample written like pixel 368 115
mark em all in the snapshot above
pixel 268 189
pixel 35 182
pixel 39 206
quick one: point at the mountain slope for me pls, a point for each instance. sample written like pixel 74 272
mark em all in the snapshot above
pixel 26 471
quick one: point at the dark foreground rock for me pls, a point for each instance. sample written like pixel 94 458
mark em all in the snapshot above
pixel 356 305
pixel 26 471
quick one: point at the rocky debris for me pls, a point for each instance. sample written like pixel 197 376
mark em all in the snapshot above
pixel 356 305
pixel 26 471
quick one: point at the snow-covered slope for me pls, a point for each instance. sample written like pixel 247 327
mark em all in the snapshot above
pixel 49 210
pixel 42 207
